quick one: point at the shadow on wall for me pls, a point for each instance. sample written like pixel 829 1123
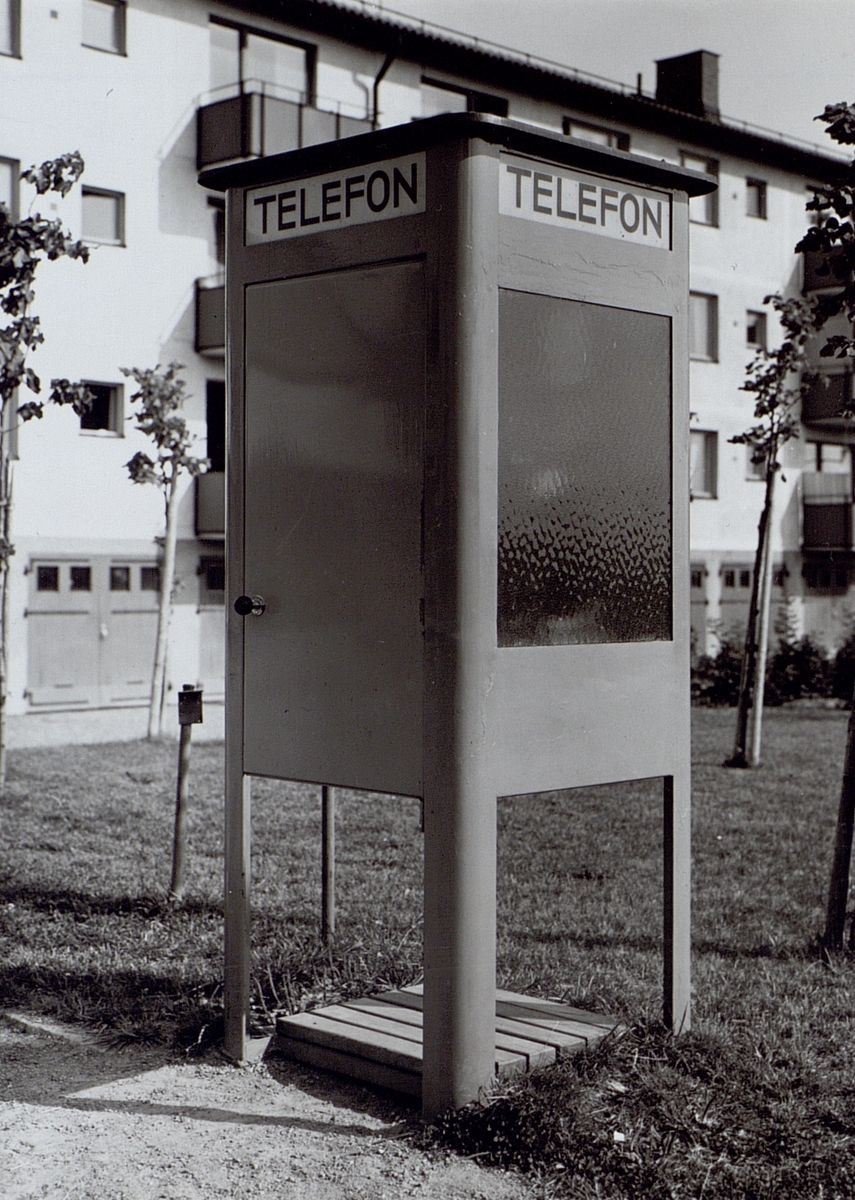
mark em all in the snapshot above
pixel 183 208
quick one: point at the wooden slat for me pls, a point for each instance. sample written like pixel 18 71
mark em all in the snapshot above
pixel 533 1016
pixel 407 1082
pixel 348 1039
pixel 556 1008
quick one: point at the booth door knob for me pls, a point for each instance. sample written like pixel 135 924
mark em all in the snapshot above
pixel 244 605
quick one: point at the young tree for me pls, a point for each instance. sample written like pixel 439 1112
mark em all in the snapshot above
pixel 23 245
pixel 161 396
pixel 774 379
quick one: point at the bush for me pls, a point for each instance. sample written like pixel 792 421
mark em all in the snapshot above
pixel 798 670
pixel 843 673
pixel 715 678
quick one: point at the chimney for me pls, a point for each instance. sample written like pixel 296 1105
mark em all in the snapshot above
pixel 689 82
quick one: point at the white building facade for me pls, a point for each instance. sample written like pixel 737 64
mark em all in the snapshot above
pixel 150 91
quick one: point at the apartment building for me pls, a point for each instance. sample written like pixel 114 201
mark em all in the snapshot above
pixel 150 92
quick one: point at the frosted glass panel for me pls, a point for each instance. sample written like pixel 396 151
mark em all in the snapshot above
pixel 584 473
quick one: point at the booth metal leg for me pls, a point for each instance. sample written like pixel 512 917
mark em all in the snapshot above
pixel 237 925
pixel 327 862
pixel 678 898
pixel 459 951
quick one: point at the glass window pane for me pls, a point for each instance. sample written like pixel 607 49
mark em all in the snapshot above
pixel 47 579
pixel 120 579
pixel 102 25
pixel 584 473
pixel 100 412
pixel 703 322
pixel 225 56
pixel 9 183
pixel 102 217
pixel 703 210
pixel 276 63
pixel 81 579
pixel 150 579
pixel 441 100
pixel 9 10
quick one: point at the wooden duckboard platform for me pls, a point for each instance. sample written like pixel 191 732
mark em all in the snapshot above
pixel 378 1039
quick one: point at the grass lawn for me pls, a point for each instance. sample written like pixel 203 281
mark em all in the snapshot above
pixel 759 1100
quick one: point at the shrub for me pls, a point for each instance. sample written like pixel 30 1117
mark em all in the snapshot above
pixel 798 670
pixel 715 678
pixel 843 673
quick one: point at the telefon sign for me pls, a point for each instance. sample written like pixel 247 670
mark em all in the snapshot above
pixel 376 192
pixel 538 191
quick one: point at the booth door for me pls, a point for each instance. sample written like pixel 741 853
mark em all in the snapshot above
pixel 334 405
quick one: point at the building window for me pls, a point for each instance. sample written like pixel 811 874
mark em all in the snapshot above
pixel 755 198
pixel 703 451
pixel 104 25
pixel 779 576
pixel 212 580
pixel 149 579
pixel 703 326
pixel 120 579
pixel 755 330
pixel 825 578
pixel 697 579
pixel 833 459
pixel 744 579
pixel 103 217
pixel 47 579
pixel 218 209
pixel 81 579
pixel 703 210
pixel 754 470
pixel 597 134
pixel 439 97
pixel 105 412
pixel 240 56
pixel 10 173
pixel 730 579
pixel 215 418
pixel 10 28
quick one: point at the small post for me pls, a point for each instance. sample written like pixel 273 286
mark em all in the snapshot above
pixel 327 862
pixel 189 714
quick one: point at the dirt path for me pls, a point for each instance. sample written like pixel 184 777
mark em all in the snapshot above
pixel 78 1121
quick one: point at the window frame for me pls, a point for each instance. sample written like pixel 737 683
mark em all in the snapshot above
pixel 710 464
pixel 761 187
pixel 621 140
pixel 211 597
pixel 471 96
pixel 760 319
pixel 711 167
pixel 119 197
pixel 14 10
pixel 711 353
pixel 245 31
pixel 15 199
pixel 115 426
pixel 120 9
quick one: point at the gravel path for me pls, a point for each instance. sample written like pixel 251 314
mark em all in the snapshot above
pixel 78 1121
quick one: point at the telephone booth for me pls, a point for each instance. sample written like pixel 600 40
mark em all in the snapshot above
pixel 457 517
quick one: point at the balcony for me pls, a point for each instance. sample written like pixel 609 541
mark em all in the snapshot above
pixel 211 505
pixel 257 122
pixel 210 318
pixel 826 512
pixel 827 399
pixel 824 270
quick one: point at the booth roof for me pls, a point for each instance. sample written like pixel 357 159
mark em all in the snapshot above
pixel 448 127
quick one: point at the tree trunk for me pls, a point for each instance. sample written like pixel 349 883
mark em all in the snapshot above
pixel 6 415
pixel 762 639
pixel 167 579
pixel 739 758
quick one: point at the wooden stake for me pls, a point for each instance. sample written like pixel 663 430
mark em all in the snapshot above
pixel 327 863
pixel 179 841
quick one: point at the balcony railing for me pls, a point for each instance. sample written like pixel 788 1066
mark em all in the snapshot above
pixel 827 399
pixel 211 504
pixel 257 123
pixel 826 511
pixel 824 270
pixel 210 318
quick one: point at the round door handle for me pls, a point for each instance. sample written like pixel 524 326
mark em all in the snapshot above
pixel 244 605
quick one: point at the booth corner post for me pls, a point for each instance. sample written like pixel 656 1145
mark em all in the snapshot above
pixel 460 637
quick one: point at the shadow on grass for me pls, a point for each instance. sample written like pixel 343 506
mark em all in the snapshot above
pixel 65 900
pixel 646 944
